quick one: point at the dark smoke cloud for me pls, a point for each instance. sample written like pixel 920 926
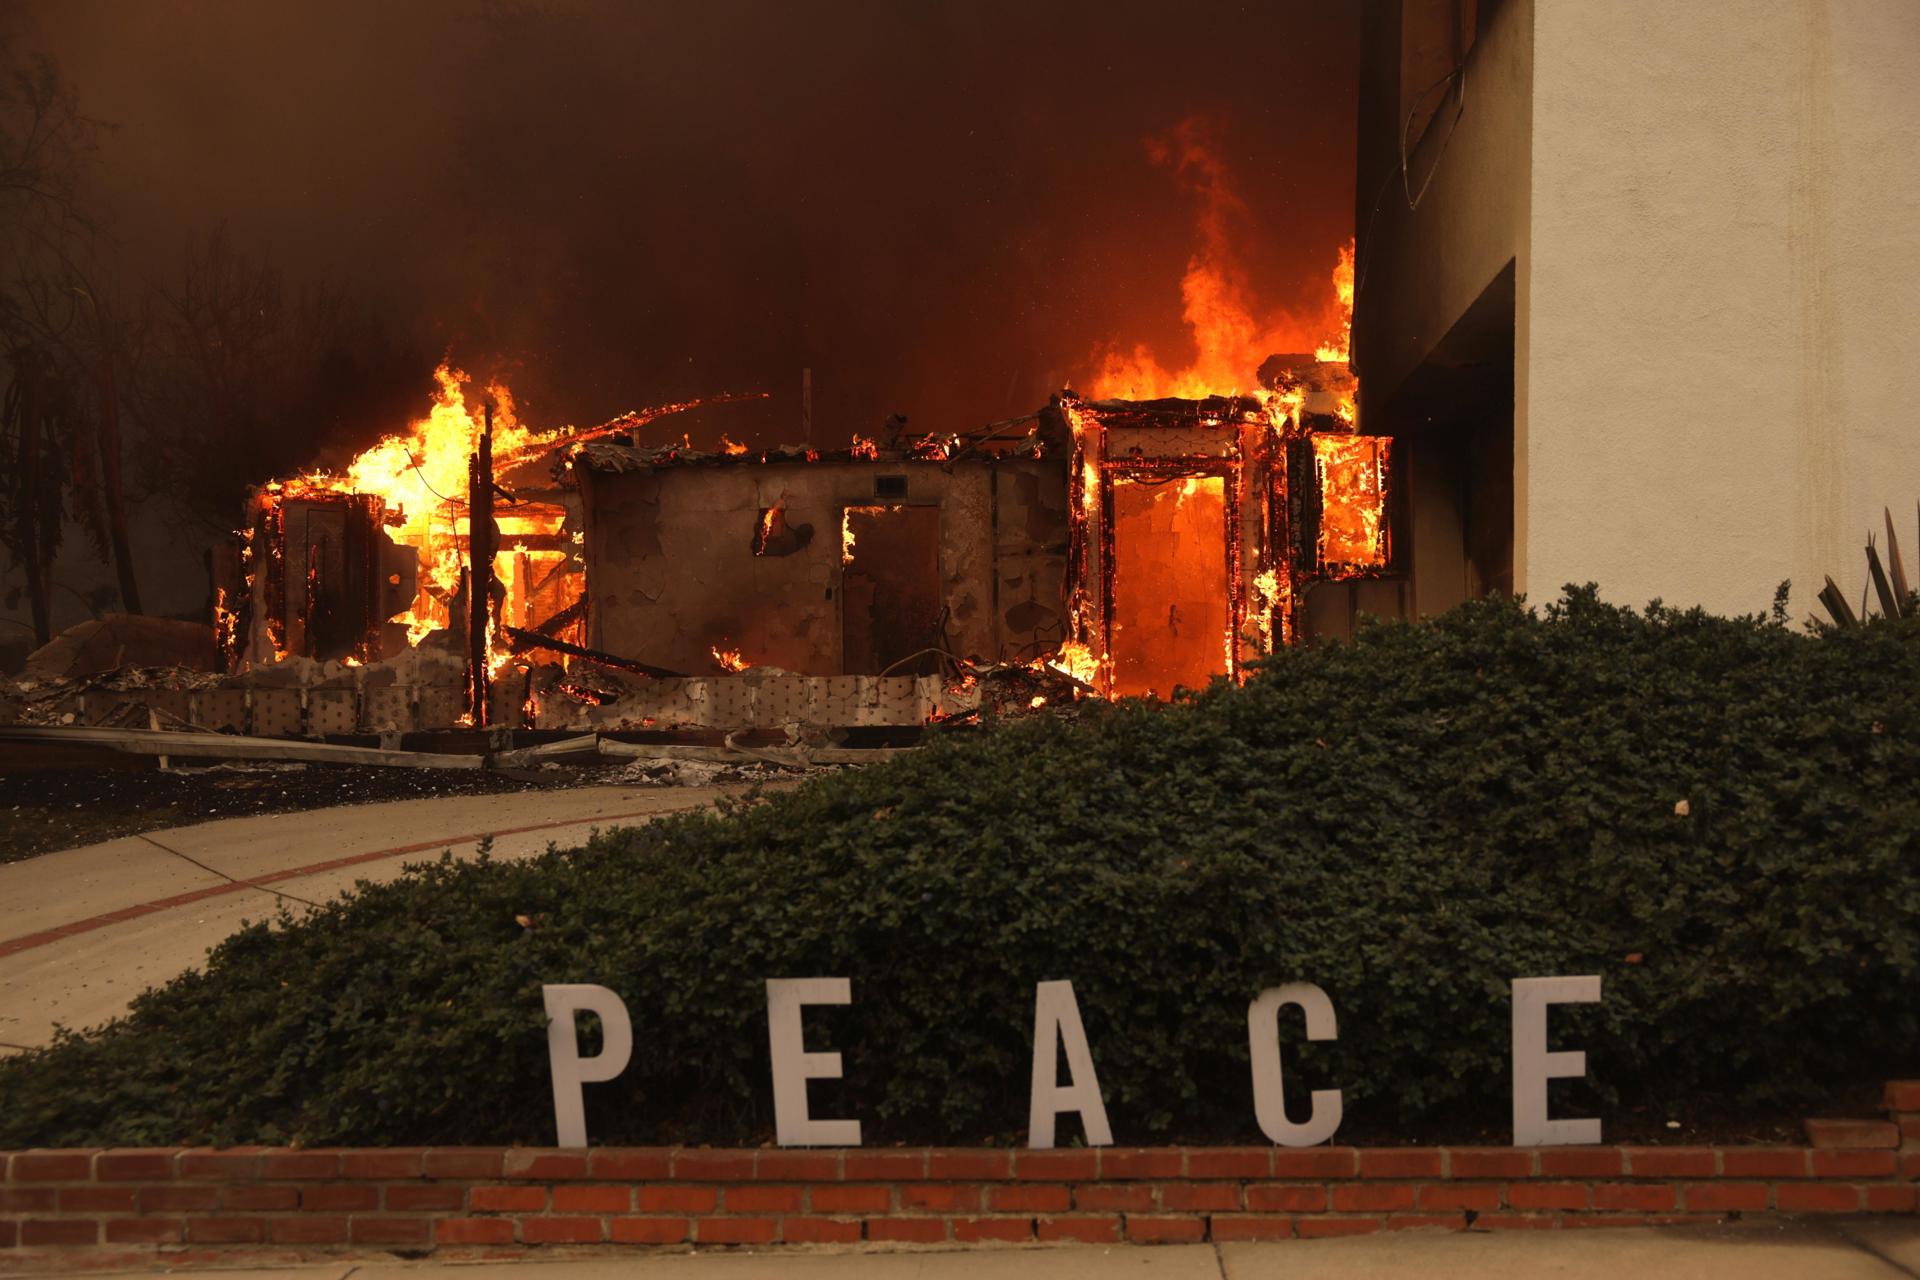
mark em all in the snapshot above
pixel 942 208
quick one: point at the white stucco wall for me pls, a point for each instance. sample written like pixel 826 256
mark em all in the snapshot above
pixel 1720 311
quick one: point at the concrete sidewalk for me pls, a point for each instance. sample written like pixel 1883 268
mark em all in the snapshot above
pixel 1862 1249
pixel 88 929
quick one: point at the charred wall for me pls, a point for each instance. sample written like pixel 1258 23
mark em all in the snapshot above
pixel 684 560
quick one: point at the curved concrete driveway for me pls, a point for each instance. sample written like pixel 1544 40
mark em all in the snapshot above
pixel 85 930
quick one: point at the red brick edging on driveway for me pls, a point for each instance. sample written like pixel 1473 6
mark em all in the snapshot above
pixel 508 1199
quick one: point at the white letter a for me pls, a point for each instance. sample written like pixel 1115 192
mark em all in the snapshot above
pixel 1056 1021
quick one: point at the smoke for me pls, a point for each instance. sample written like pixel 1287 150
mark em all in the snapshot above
pixel 944 210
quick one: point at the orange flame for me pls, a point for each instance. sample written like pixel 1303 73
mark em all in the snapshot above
pixel 729 659
pixel 1232 336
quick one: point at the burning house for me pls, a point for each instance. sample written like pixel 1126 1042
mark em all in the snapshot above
pixel 476 572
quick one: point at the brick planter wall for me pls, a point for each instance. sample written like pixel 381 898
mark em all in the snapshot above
pixel 475 1198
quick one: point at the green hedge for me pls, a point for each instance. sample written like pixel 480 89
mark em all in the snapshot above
pixel 1410 820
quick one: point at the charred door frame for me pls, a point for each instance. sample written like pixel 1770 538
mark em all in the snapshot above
pixel 1170 469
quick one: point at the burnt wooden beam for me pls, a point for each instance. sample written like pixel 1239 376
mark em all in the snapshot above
pixel 521 639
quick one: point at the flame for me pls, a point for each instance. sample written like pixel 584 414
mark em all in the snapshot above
pixel 769 521
pixel 1077 660
pixel 732 448
pixel 729 659
pixel 1231 334
pixel 862 448
pixel 1352 484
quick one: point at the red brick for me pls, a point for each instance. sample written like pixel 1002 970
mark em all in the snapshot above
pixel 507 1199
pixel 1853 1135
pixel 226 1230
pixel 406 1197
pixel 1373 1197
pixel 35 1231
pixel 278 1165
pixel 209 1163
pixel 940 1197
pixel 1478 1196
pixel 1910 1164
pixel 531 1164
pixel 1580 1162
pixel 797 1166
pixel 474 1231
pixel 1286 1197
pixel 1086 1229
pixel 980 1230
pixel 1399 1162
pixel 96 1199
pixel 630 1164
pixel 464 1162
pixel 1200 1197
pixel 1028 1199
pixel 402 1231
pixel 649 1230
pixel 1672 1162
pixel 1855 1164
pixel 27 1199
pixel 1058 1166
pixel 960 1163
pixel 343 1197
pixel 592 1199
pixel 200 1198
pixel 1233 1227
pixel 1724 1197
pixel 1903 1095
pixel 1425 1221
pixel 736 1230
pixel 1652 1198
pixel 753 1199
pixel 395 1162
pixel 1763 1162
pixel 565 1230
pixel 1544 1195
pixel 1315 1162
pixel 921 1230
pixel 1230 1162
pixel 308 1229
pixel 1816 1197
pixel 673 1198
pixel 51 1166
pixel 884 1166
pixel 9 1234
pixel 1489 1162
pixel 1107 1197
pixel 134 1165
pixel 819 1230
pixel 1607 1220
pixel 713 1165
pixel 1892 1199
pixel 1148 1230
pixel 145 1230
pixel 237 1197
pixel 1140 1162
pixel 845 1199
pixel 1313 1228
pixel 1909 1129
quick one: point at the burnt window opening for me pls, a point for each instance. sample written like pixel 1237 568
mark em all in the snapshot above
pixel 889 486
pixel 773 536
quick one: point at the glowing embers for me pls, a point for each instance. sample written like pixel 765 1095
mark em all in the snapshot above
pixel 1352 474
pixel 1170 608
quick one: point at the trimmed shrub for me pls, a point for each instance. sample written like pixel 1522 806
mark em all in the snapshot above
pixel 1719 816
